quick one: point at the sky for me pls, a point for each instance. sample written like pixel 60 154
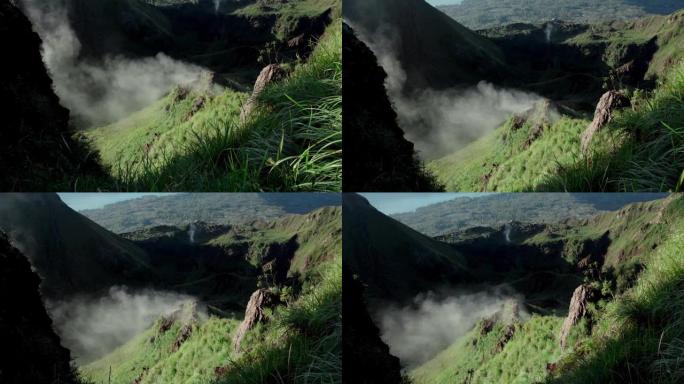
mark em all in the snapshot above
pixel 81 201
pixel 391 203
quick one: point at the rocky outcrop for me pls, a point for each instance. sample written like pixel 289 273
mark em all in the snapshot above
pixel 540 117
pixel 254 314
pixel 609 103
pixel 183 335
pixel 32 352
pixel 506 336
pixel 271 73
pixel 37 151
pixel 578 310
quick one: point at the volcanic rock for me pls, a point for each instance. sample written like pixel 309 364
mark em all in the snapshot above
pixel 509 331
pixel 578 309
pixel 271 73
pixel 254 314
pixel 183 335
pixel 610 101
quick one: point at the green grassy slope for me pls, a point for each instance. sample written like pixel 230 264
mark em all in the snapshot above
pixel 289 14
pixel 475 358
pixel 292 141
pixel 633 233
pixel 632 316
pixel 303 343
pixel 151 355
pixel 299 343
pixel 640 150
pixel 637 339
pixel 501 160
pixel 316 233
pixel 668 30
pixel 171 127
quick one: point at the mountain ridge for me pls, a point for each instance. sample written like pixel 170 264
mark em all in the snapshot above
pixel 210 207
pixel 479 14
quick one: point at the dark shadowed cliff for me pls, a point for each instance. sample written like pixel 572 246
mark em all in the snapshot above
pixel 36 147
pixel 31 350
pixel 377 157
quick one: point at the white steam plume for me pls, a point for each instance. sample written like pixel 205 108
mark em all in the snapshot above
pixel 548 31
pixel 419 331
pixel 191 232
pixel 103 91
pixel 92 327
pixel 217 5
pixel 507 232
pixel 439 122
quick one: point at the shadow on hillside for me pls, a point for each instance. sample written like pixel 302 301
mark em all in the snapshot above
pixel 219 275
pixel 195 33
pixel 542 274
pixel 575 74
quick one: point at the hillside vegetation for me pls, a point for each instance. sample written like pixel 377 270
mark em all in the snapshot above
pixel 638 337
pixel 625 264
pixel 256 302
pixel 203 135
pixel 289 14
pixel 299 344
pixel 299 340
pixel 627 260
pixel 639 150
pixel 189 141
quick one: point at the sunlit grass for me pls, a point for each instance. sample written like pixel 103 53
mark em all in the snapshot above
pixel 291 142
